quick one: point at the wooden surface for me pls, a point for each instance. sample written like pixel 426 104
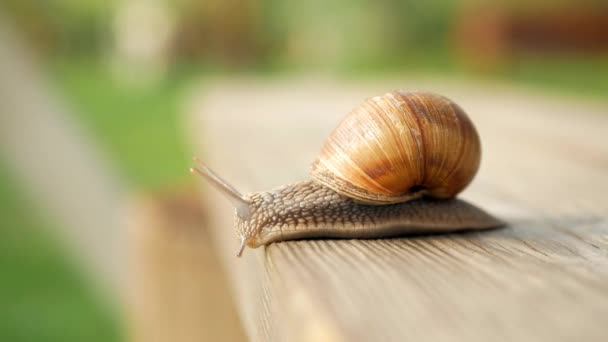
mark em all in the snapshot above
pixel 544 171
pixel 178 291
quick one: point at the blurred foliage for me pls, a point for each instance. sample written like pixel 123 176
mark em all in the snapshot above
pixel 138 126
pixel 44 297
pixel 254 33
pixel 336 35
pixel 343 34
pixel 581 76
pixel 63 26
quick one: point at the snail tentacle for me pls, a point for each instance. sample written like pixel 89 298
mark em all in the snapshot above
pixel 241 204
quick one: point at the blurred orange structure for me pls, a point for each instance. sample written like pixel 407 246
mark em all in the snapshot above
pixel 486 36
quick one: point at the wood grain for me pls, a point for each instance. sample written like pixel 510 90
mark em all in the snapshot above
pixel 544 171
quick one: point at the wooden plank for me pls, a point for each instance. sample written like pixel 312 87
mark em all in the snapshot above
pixel 544 171
pixel 178 289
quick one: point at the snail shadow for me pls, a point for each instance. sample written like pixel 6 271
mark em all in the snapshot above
pixel 584 228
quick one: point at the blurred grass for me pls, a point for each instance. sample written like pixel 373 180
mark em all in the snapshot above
pixel 580 76
pixel 137 126
pixel 43 296
pixel 584 76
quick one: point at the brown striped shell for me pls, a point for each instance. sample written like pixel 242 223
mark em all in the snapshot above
pixel 400 146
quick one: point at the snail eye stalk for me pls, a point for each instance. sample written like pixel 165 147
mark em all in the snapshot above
pixel 238 200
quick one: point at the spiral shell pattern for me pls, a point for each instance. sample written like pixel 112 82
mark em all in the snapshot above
pixel 399 146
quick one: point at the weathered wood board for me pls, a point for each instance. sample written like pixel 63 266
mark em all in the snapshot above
pixel 544 171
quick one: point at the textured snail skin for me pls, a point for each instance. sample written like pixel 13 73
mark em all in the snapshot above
pixel 310 210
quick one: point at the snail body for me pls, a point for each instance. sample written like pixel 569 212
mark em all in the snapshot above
pixel 310 210
pixel 391 167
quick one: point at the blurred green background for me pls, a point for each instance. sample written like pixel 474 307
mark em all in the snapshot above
pixel 125 66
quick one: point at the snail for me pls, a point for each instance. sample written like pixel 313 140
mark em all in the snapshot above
pixel 391 167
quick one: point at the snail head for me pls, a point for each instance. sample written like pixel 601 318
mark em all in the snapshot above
pixel 248 215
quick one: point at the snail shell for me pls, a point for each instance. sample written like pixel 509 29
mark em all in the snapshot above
pixel 399 146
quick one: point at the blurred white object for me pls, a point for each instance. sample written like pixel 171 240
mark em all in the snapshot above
pixel 143 30
pixel 61 168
